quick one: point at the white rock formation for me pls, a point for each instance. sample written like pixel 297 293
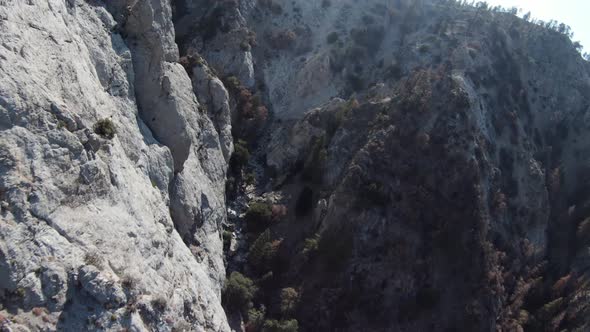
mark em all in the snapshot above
pixel 87 226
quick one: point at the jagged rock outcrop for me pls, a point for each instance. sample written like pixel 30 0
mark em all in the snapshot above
pixel 219 32
pixel 92 226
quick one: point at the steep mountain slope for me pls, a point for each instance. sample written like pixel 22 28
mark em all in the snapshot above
pixel 355 165
pixel 447 190
pixel 88 218
pixel 437 186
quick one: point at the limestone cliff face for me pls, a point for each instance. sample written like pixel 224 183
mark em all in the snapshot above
pixel 99 233
pixel 425 164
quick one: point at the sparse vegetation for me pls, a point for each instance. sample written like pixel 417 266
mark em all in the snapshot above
pixel 272 325
pixel 159 303
pixel 289 300
pixel 263 252
pixel 241 155
pixel 20 292
pixel 258 216
pixel 550 309
pixel 283 39
pixel 93 258
pixel 238 292
pixel 250 178
pixel 105 128
pixel 369 37
pixel 128 282
pixel 252 114
pixel 332 37
pixel 191 61
pixel 232 83
pixel 415 93
pixel 255 319
pixel 311 244
pixel 227 236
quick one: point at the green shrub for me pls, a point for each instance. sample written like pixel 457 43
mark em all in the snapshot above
pixel 289 300
pixel 105 128
pixel 250 178
pixel 241 155
pixel 310 245
pixel 262 252
pixel 549 310
pixel 259 216
pixel 332 37
pixel 227 236
pixel 20 292
pixel 191 61
pixel 255 319
pixel 232 83
pixel 273 325
pixel 238 292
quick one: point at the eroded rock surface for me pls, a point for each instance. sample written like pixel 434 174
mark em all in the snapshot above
pixel 92 227
pixel 418 165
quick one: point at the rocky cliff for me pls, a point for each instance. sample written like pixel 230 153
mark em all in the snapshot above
pixel 112 172
pixel 354 165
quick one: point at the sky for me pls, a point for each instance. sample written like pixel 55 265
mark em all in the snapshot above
pixel 575 13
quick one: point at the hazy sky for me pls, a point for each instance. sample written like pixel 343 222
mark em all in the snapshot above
pixel 575 13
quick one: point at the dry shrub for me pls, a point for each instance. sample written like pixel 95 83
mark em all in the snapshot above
pixel 279 211
pixel 415 93
pixel 191 61
pixel 499 202
pixel 560 286
pixel 283 39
